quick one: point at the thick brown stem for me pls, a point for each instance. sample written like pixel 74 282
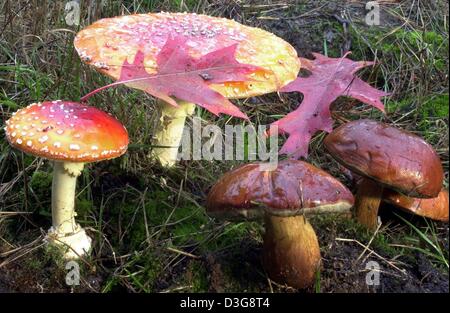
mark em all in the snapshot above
pixel 367 202
pixel 291 251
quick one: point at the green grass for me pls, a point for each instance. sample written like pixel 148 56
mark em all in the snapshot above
pixel 426 241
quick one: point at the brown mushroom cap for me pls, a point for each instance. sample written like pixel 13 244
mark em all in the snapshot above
pixel 107 43
pixel 434 208
pixel 293 188
pixel 391 156
pixel 66 131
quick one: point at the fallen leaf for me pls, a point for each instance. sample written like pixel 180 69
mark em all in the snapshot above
pixel 329 79
pixel 184 77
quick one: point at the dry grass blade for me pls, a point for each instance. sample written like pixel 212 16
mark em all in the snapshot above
pixel 366 248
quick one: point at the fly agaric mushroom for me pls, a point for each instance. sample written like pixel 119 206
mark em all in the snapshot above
pixel 70 134
pixel 433 208
pixel 283 196
pixel 108 43
pixel 386 157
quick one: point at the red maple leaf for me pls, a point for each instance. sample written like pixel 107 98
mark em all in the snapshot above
pixel 329 79
pixel 184 77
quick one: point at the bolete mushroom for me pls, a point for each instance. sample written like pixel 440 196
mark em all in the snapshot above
pixel 70 134
pixel 108 43
pixel 434 208
pixel 386 157
pixel 283 196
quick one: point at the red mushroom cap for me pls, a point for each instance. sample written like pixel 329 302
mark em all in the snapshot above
pixel 391 156
pixel 293 188
pixel 434 208
pixel 66 131
pixel 108 42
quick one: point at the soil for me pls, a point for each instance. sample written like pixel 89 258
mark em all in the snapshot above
pixel 238 268
pixel 341 273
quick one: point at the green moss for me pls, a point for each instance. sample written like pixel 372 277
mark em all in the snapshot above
pixel 428 112
pixel 233 234
pixel 381 243
pixel 152 271
pixel 110 285
pixel 435 107
pixel 403 44
pixel 197 277
pixel 142 271
pixel 190 229
pixel 83 207
pixel 41 187
pixel 399 106
pixel 41 184
pixel 53 254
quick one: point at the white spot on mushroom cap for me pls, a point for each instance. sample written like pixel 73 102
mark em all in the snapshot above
pixel 74 147
pixel 43 139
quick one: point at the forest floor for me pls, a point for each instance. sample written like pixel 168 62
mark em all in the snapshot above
pixel 150 229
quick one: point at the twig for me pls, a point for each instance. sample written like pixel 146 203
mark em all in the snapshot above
pixel 370 241
pixel 374 253
pixel 183 253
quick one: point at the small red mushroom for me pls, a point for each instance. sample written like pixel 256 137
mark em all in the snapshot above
pixel 283 196
pixel 70 134
pixel 386 157
pixel 434 208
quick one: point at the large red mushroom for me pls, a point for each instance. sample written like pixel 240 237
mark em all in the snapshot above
pixel 108 43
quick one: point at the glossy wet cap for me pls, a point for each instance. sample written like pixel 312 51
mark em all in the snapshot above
pixel 293 188
pixel 66 131
pixel 108 42
pixel 435 208
pixel 391 156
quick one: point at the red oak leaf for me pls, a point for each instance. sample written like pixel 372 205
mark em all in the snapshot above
pixel 329 79
pixel 184 77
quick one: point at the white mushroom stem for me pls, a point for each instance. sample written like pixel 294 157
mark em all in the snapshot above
pixel 65 232
pixel 170 131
